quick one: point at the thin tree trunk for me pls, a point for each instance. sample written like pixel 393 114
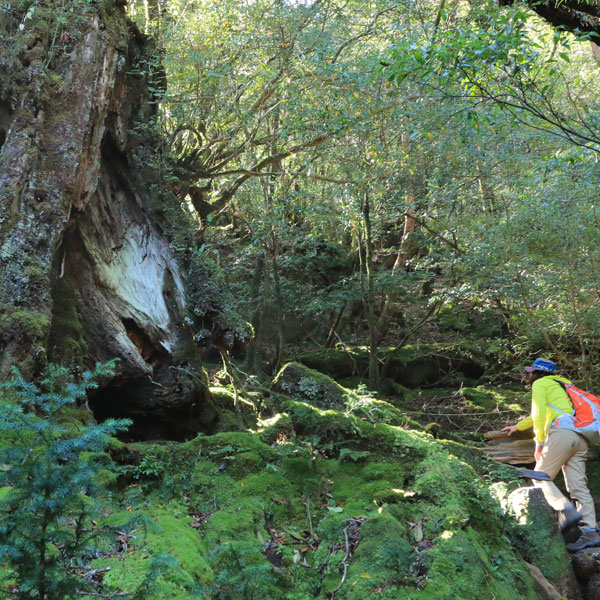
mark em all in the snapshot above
pixel 369 297
pixel 335 325
pixel 407 249
pixel 278 311
pixel 257 366
pixel 249 363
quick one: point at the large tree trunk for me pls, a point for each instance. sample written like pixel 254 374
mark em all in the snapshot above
pixel 85 272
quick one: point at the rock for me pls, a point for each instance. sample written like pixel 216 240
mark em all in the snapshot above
pixel 592 591
pixel 311 386
pixel 540 542
pixel 411 366
pixel 584 565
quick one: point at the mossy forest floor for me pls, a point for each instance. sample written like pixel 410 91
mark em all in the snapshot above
pixel 313 490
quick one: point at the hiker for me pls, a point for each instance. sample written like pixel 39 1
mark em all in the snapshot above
pixel 556 449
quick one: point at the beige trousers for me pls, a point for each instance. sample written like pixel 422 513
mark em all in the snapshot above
pixel 567 450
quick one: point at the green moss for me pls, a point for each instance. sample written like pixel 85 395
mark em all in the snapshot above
pixel 278 428
pixel 534 527
pixel 67 332
pixel 381 411
pixel 359 489
pixel 227 420
pixel 273 507
pixel 332 426
pixel 462 565
pixel 241 452
pixel 411 365
pixel 30 324
pixel 223 397
pixel 244 572
pixel 337 363
pixel 488 399
pixel 311 386
pixel 156 532
pixel 230 419
pixel 382 558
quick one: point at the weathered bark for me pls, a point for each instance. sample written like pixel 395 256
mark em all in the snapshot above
pixel 85 273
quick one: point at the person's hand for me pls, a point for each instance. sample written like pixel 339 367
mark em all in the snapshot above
pixel 538 453
pixel 511 429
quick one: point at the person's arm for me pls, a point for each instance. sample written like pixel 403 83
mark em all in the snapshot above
pixel 522 425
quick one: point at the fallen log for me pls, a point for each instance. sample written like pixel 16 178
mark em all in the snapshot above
pixel 517 449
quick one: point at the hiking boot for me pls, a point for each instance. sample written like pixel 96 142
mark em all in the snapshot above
pixel 588 539
pixel 568 517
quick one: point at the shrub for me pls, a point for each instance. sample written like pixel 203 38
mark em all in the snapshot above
pixel 51 473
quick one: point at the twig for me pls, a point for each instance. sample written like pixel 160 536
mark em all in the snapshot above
pixel 307 504
pixel 476 414
pixel 344 564
pixel 96 571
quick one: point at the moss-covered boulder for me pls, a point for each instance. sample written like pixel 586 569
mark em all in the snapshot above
pixel 155 554
pixel 535 529
pixel 411 365
pixel 295 379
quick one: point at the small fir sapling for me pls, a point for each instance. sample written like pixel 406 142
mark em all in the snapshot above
pixel 50 473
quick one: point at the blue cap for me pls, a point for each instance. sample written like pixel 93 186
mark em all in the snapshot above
pixel 540 364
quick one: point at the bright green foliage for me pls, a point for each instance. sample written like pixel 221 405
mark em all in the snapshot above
pixel 52 477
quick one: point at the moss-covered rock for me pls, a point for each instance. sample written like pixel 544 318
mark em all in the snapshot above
pixel 382 558
pixel 311 386
pixel 535 528
pixel 464 564
pixel 156 555
pixel 411 365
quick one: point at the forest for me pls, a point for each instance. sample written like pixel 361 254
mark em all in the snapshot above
pixel 270 271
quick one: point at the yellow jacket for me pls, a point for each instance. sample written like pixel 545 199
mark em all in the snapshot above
pixel 546 391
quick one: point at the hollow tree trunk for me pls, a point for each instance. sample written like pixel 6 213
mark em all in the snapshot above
pixel 86 274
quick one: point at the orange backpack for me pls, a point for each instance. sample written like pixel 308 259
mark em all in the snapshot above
pixel 585 418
